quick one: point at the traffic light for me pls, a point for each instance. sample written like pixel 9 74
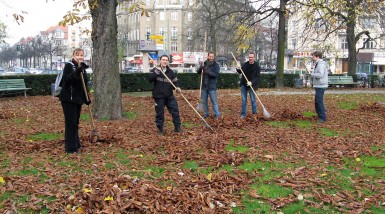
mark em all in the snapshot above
pixel 148 35
pixel 170 61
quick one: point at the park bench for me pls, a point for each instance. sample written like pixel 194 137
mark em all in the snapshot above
pixel 341 81
pixel 13 86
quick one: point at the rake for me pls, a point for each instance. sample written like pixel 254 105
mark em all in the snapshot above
pixel 94 134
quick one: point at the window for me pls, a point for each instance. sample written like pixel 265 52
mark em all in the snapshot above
pixel 58 42
pixel 161 15
pixel 189 33
pixel 367 23
pixel 149 17
pixel 369 43
pixel 161 31
pixel 148 33
pixel 174 16
pixel 294 26
pixel 294 44
pixel 344 43
pixel 174 46
pixel 174 32
pixel 189 49
pixel 189 16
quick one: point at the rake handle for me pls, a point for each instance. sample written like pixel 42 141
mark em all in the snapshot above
pixel 87 98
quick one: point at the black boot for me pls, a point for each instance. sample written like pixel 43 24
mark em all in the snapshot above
pixel 178 129
pixel 160 130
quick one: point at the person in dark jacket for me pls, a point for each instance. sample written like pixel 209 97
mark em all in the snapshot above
pixel 252 71
pixel 72 97
pixel 210 69
pixel 162 93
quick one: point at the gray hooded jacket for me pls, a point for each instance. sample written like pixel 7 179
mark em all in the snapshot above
pixel 320 75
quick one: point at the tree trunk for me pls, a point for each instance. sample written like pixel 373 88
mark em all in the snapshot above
pixel 107 102
pixel 281 44
pixel 351 38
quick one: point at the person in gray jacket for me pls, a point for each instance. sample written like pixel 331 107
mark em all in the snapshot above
pixel 320 83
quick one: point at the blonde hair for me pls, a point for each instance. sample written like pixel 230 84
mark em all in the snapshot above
pixel 77 50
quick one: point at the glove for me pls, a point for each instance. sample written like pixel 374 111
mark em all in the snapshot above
pixel 88 102
pixel 84 65
pixel 201 67
pixel 177 89
pixel 205 71
pixel 249 83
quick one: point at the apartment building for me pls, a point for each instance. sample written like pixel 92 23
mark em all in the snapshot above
pixel 370 59
pixel 164 30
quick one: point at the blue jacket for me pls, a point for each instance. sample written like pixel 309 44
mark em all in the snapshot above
pixel 210 80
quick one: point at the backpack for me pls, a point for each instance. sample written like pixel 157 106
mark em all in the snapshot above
pixel 58 85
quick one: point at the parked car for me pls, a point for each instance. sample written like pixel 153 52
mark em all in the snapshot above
pixel 34 71
pixel 50 72
pixel 362 76
pixel 2 69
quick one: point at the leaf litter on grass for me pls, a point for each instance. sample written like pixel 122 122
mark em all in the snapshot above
pixel 197 171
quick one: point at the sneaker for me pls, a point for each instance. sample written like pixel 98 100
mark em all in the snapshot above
pixel 242 116
pixel 320 121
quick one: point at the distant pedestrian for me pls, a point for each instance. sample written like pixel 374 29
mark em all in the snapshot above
pixel 210 69
pixel 252 71
pixel 320 83
pixel 162 93
pixel 72 98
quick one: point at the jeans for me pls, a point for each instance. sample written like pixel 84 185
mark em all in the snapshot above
pixel 214 102
pixel 244 91
pixel 319 103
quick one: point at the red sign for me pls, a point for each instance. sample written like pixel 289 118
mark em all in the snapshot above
pixel 177 58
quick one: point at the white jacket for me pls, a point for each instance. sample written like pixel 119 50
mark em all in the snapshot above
pixel 320 74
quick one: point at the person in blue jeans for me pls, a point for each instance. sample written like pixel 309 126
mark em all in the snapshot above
pixel 210 69
pixel 320 83
pixel 252 71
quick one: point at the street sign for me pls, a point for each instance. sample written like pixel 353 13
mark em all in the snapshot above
pixel 156 37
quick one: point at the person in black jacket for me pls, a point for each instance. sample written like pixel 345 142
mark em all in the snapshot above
pixel 163 95
pixel 210 70
pixel 252 71
pixel 72 97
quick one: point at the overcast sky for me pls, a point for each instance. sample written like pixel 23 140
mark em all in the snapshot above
pixel 42 14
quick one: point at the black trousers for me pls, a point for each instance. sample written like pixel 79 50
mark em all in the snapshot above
pixel 71 119
pixel 172 107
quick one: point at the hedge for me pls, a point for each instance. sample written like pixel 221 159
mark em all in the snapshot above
pixel 135 82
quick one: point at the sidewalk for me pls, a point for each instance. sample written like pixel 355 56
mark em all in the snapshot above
pixel 288 91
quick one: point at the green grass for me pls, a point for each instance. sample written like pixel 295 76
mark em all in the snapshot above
pixel 347 105
pixel 157 172
pixel 130 115
pixel 309 114
pixel 85 117
pixel 191 165
pixel 281 124
pixel 372 161
pixel 303 123
pixel 207 170
pixel 18 120
pixel 45 136
pixel 226 167
pixel 376 148
pixel 188 125
pixel 329 133
pixel 139 94
pixel 252 206
pixel 241 149
pixel 271 190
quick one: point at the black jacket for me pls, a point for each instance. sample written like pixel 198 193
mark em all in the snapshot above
pixel 72 86
pixel 162 87
pixel 210 80
pixel 252 72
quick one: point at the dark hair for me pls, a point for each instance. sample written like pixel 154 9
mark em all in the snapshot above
pixel 252 52
pixel 317 54
pixel 210 52
pixel 164 55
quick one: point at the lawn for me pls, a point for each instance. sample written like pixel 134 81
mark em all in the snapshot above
pixel 285 164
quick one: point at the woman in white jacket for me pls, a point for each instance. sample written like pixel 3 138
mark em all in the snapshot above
pixel 320 83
